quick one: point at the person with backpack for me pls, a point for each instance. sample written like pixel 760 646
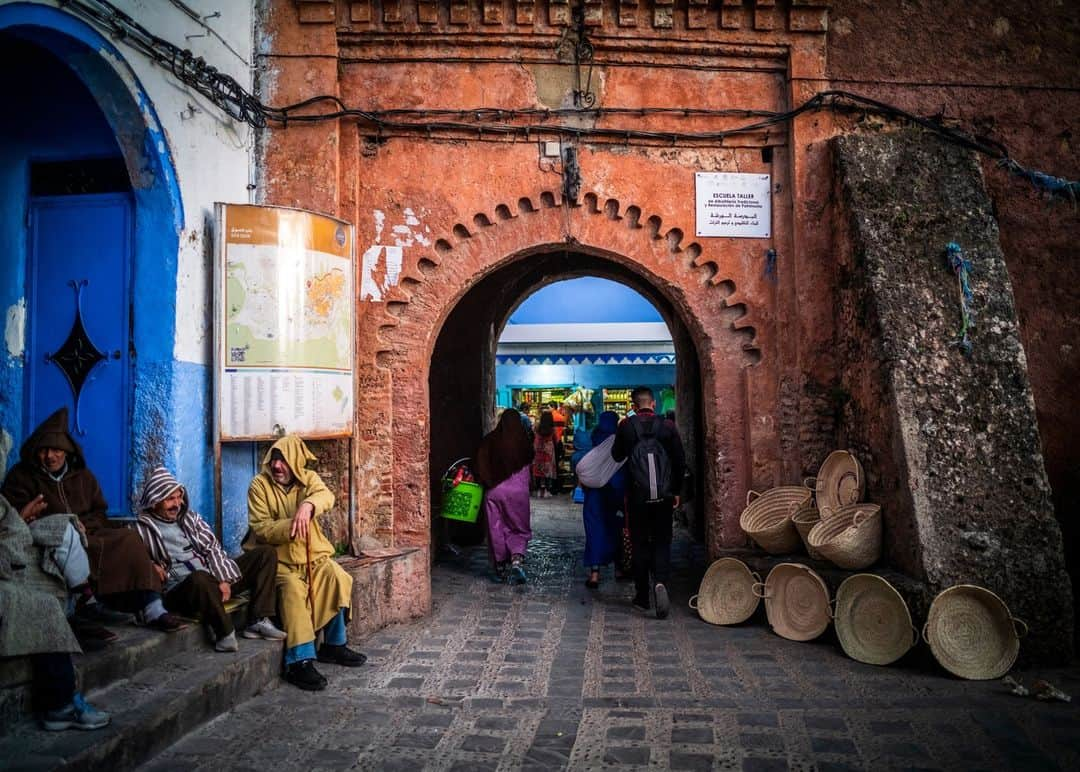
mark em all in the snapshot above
pixel 654 467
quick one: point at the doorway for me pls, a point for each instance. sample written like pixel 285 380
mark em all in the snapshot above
pixel 466 395
pixel 91 215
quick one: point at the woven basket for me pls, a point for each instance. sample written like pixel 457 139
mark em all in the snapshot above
pixel 840 481
pixel 796 602
pixel 972 634
pixel 726 595
pixel 767 518
pixel 804 519
pixel 850 537
pixel 872 620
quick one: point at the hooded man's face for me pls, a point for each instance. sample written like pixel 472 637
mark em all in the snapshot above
pixel 52 459
pixel 280 471
pixel 168 509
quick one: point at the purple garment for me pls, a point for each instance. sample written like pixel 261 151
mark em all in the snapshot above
pixel 506 507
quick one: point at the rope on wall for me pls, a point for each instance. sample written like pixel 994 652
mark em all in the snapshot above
pixel 961 266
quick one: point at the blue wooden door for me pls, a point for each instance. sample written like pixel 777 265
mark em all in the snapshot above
pixel 78 328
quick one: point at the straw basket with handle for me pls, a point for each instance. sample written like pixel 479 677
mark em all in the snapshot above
pixel 872 620
pixel 850 537
pixel 796 602
pixel 972 634
pixel 804 519
pixel 726 595
pixel 840 481
pixel 767 517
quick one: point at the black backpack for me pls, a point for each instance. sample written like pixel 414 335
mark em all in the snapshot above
pixel 650 468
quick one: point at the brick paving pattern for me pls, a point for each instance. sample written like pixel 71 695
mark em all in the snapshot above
pixel 553 676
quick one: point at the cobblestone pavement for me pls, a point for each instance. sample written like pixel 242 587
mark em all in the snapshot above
pixel 554 676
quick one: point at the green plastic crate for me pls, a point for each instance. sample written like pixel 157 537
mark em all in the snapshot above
pixel 462 501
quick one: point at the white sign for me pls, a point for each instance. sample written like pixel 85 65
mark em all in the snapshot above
pixel 734 205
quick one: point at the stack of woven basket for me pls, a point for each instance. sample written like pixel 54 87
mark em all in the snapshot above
pixel 969 629
pixel 825 514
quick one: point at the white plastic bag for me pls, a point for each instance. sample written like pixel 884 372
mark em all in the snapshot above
pixel 597 466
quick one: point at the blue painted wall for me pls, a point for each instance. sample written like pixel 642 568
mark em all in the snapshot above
pixel 584 300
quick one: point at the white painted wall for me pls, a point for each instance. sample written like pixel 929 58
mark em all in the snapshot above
pixel 211 152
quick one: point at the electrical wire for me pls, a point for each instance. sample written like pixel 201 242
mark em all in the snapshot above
pixel 530 123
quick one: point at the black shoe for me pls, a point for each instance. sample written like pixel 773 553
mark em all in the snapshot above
pixel 641 603
pixel 663 603
pixel 304 675
pixel 341 655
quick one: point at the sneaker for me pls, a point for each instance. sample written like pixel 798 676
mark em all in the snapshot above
pixel 264 628
pixel 166 623
pixel 663 604
pixel 341 655
pixel 304 675
pixel 227 643
pixel 78 714
pixel 98 612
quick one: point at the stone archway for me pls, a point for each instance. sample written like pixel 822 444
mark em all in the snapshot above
pixel 393 472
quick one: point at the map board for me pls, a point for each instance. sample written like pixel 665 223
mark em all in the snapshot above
pixel 284 324
pixel 733 205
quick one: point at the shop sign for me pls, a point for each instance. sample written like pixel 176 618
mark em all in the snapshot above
pixel 733 205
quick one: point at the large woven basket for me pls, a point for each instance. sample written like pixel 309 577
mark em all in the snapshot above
pixel 767 518
pixel 872 620
pixel 796 602
pixel 850 537
pixel 840 481
pixel 726 595
pixel 804 519
pixel 972 634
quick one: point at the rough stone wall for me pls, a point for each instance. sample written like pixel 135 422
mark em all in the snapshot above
pixel 966 499
pixel 1007 70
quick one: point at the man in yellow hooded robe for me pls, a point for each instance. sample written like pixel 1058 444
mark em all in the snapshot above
pixel 314 592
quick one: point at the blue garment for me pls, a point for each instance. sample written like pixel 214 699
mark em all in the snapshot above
pixel 333 634
pixel 603 526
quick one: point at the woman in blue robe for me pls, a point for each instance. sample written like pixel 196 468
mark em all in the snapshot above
pixel 603 526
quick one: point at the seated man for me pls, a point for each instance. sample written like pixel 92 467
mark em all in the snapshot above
pixel 51 466
pixel 64 544
pixel 32 623
pixel 314 592
pixel 199 577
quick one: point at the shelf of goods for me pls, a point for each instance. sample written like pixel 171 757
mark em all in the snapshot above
pixel 617 400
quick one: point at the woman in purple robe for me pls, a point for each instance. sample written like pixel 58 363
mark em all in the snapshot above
pixel 502 466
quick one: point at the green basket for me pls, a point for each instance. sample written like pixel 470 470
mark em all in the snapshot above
pixel 462 501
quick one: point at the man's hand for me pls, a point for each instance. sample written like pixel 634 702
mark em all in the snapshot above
pixel 33 509
pixel 226 591
pixel 301 521
pixel 678 500
pixel 160 571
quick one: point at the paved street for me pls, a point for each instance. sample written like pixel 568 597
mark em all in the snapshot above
pixel 552 675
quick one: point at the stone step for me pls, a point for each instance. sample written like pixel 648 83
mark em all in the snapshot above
pixel 151 709
pixel 135 649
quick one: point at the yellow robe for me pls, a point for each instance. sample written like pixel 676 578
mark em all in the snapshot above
pixel 270 514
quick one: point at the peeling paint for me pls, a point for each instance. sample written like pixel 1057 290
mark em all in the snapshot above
pixel 15 329
pixel 379 270
pixel 380 221
pixel 6 444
